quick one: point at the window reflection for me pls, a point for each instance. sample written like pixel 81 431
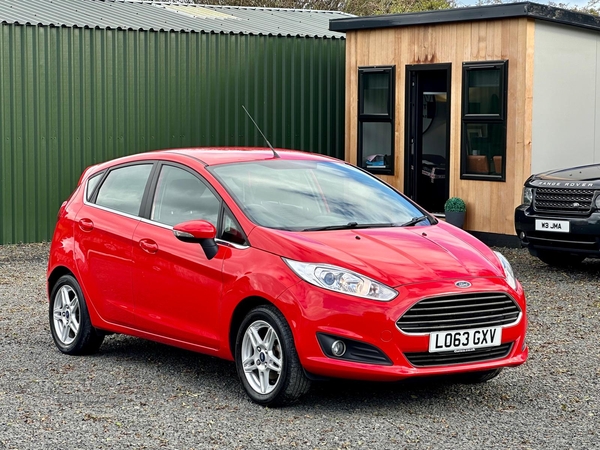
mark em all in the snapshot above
pixel 181 196
pixel 376 93
pixel 123 188
pixel 376 144
pixel 484 91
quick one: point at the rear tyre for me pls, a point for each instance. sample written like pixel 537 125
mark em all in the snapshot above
pixel 478 377
pixel 70 323
pixel 559 259
pixel 266 359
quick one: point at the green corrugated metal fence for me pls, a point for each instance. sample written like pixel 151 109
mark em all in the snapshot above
pixel 72 97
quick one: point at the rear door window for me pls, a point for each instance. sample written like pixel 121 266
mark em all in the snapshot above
pixel 123 188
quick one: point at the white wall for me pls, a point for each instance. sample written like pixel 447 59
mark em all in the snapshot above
pixel 566 97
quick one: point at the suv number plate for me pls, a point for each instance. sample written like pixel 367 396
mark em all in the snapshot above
pixel 559 226
pixel 447 341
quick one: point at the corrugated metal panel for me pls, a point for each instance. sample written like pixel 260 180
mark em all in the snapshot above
pixel 165 16
pixel 72 97
pixel 199 11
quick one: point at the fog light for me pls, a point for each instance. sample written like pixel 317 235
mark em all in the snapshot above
pixel 522 235
pixel 338 348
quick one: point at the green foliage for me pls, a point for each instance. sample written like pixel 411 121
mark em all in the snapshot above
pixel 407 6
pixel 357 7
pixel 376 7
pixel 592 7
pixel 455 204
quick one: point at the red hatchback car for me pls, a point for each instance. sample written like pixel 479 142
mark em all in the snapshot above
pixel 306 267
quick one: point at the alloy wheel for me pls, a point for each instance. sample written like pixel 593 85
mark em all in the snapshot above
pixel 66 314
pixel 262 358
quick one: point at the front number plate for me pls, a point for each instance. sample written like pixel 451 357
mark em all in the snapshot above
pixel 447 341
pixel 559 226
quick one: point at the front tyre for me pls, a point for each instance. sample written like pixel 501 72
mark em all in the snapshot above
pixel 266 358
pixel 70 323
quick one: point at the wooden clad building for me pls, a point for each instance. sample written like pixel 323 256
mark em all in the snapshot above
pixel 469 102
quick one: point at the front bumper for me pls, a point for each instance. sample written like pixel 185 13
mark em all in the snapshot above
pixel 373 323
pixel 583 237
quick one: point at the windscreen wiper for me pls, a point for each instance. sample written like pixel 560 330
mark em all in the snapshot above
pixel 351 225
pixel 414 221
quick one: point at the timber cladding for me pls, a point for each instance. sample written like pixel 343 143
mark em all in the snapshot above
pixel 490 204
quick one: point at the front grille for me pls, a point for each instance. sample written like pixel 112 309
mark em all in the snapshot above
pixel 570 201
pixel 425 359
pixel 460 312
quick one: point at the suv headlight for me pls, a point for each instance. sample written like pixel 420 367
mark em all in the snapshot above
pixel 508 272
pixel 597 202
pixel 527 195
pixel 341 280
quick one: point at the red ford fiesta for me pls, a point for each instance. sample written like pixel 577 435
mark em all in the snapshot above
pixel 291 264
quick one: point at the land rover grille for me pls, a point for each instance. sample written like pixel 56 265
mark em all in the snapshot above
pixel 566 201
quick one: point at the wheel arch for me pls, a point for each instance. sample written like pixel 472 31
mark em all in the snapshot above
pixel 240 311
pixel 57 272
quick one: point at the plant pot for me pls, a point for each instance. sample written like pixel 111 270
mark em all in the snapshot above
pixel 455 218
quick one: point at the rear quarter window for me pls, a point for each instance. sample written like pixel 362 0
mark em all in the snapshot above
pixel 91 186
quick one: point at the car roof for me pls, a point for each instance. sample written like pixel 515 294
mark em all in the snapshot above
pixel 211 156
pixel 225 155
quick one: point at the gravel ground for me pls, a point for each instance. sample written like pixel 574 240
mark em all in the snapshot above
pixel 143 395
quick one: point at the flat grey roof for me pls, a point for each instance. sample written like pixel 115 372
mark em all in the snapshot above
pixel 170 16
pixel 490 12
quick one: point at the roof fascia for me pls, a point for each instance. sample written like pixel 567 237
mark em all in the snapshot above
pixel 477 13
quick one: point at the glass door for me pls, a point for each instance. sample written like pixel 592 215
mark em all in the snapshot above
pixel 427 140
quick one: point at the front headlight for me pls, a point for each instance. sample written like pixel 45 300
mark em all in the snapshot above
pixel 508 272
pixel 527 195
pixel 597 202
pixel 341 280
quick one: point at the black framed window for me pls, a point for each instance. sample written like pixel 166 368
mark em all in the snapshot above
pixel 376 92
pixel 484 97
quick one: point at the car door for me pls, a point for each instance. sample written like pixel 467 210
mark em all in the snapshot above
pixel 177 289
pixel 104 229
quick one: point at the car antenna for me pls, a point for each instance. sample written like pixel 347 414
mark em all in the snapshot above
pixel 261 133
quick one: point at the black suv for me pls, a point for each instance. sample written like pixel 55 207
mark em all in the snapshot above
pixel 559 220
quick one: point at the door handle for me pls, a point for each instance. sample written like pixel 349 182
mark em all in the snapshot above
pixel 86 225
pixel 149 246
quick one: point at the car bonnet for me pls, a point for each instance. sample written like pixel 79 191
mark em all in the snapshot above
pixel 394 256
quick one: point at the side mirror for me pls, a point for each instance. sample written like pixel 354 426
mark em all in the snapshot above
pixel 198 232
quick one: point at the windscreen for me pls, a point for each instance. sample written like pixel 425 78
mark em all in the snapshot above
pixel 309 195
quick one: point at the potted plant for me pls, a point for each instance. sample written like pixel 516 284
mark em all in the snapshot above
pixel 455 210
